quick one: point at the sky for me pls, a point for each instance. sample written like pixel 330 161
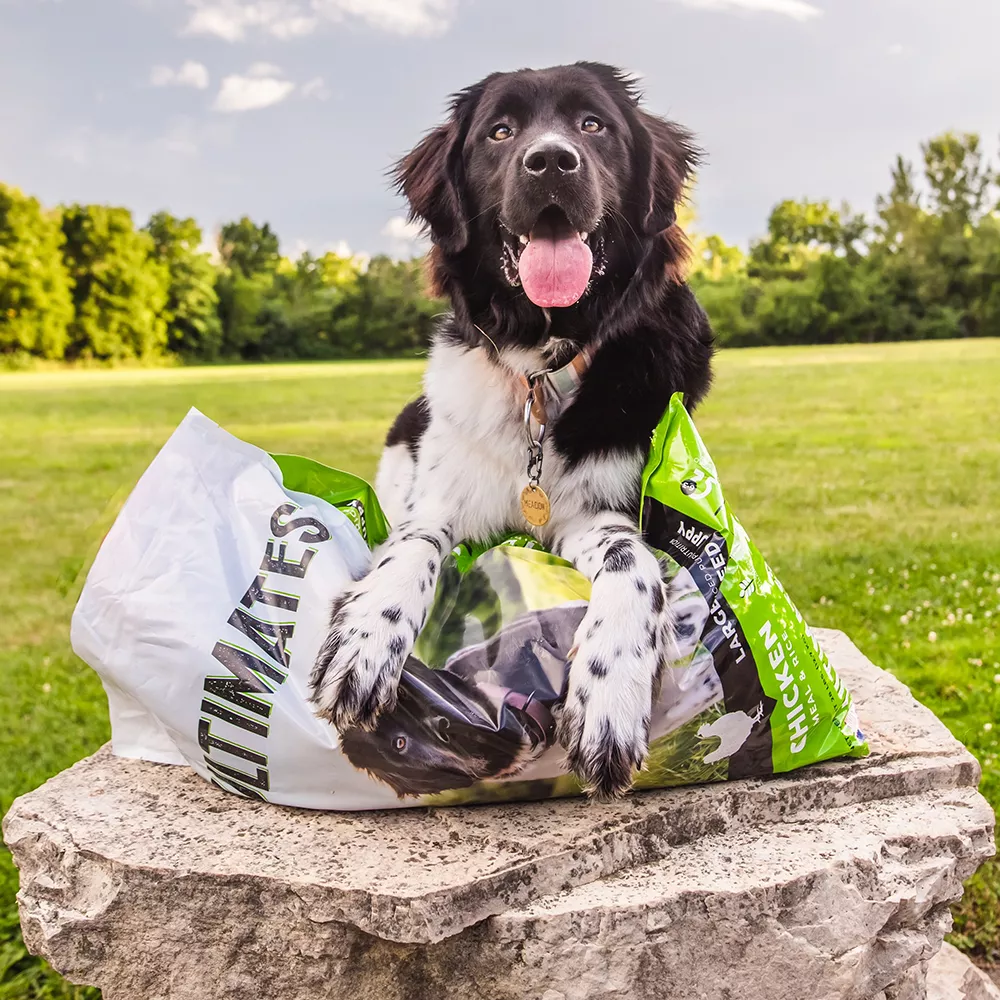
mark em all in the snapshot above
pixel 291 111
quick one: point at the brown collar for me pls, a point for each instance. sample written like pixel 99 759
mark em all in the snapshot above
pixel 551 391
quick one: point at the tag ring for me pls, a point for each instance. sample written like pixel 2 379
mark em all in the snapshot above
pixel 533 441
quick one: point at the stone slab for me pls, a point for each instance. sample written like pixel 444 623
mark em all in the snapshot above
pixel 842 907
pixel 419 876
pixel 836 879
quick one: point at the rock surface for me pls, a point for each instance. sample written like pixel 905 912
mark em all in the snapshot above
pixel 833 882
pixel 951 976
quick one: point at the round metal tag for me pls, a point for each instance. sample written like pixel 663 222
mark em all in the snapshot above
pixel 535 505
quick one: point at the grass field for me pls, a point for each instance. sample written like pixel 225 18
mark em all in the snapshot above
pixel 868 475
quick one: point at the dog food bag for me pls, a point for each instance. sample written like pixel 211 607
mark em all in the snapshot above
pixel 785 706
pixel 207 603
pixel 209 599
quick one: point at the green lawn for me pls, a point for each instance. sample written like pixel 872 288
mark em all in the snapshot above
pixel 868 475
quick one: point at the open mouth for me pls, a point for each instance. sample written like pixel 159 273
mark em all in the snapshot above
pixel 554 262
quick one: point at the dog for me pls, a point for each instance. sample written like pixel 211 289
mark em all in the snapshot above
pixel 485 715
pixel 550 199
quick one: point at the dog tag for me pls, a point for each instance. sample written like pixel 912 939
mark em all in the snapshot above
pixel 535 505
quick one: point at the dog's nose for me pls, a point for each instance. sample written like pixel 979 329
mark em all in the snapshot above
pixel 551 158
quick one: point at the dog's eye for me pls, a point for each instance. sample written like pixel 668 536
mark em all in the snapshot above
pixel 592 124
pixel 399 743
pixel 501 132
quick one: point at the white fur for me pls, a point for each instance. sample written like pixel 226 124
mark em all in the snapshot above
pixel 622 644
pixel 466 483
pixel 394 480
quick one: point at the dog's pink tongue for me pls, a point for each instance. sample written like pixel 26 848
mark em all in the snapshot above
pixel 555 266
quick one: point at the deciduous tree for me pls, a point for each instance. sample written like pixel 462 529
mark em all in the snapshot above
pixel 120 292
pixel 192 309
pixel 35 302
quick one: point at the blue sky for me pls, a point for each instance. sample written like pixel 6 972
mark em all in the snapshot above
pixel 291 110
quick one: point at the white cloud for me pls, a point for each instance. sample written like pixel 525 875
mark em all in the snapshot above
pixel 255 90
pixel 341 248
pixel 406 239
pixel 191 74
pixel 262 69
pixel 896 49
pixel 798 10
pixel 229 24
pixel 315 87
pixel 234 20
pixel 400 17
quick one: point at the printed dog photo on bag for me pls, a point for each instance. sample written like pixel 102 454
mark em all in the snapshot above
pixel 486 710
pixel 483 716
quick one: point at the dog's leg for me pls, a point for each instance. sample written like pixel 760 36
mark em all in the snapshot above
pixel 622 646
pixel 374 623
pixel 394 480
pixel 398 465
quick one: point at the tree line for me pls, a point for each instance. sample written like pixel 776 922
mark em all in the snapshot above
pixel 925 265
pixel 83 282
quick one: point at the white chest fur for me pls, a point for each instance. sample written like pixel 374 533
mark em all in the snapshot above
pixel 473 458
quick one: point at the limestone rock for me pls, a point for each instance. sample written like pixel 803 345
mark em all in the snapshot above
pixel 951 976
pixel 832 882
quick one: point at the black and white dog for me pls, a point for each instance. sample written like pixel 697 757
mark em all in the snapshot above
pixel 550 199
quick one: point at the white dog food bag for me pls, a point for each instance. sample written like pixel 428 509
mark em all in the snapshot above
pixel 203 612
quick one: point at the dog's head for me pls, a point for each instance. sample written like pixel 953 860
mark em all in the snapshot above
pixel 552 181
pixel 444 733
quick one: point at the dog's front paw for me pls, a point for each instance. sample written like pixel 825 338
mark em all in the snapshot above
pixel 614 680
pixel 358 666
pixel 605 732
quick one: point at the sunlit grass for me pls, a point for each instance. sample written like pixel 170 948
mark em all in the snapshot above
pixel 66 377
pixel 868 475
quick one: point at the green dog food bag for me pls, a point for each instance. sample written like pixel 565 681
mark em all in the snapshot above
pixel 785 705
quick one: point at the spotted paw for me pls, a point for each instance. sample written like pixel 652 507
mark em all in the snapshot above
pixel 606 737
pixel 614 680
pixel 358 666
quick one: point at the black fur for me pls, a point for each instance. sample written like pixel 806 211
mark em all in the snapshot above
pixel 619 557
pixel 410 425
pixel 654 339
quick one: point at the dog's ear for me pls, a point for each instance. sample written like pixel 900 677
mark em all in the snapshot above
pixel 666 156
pixel 432 176
pixel 665 153
pixel 429 177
